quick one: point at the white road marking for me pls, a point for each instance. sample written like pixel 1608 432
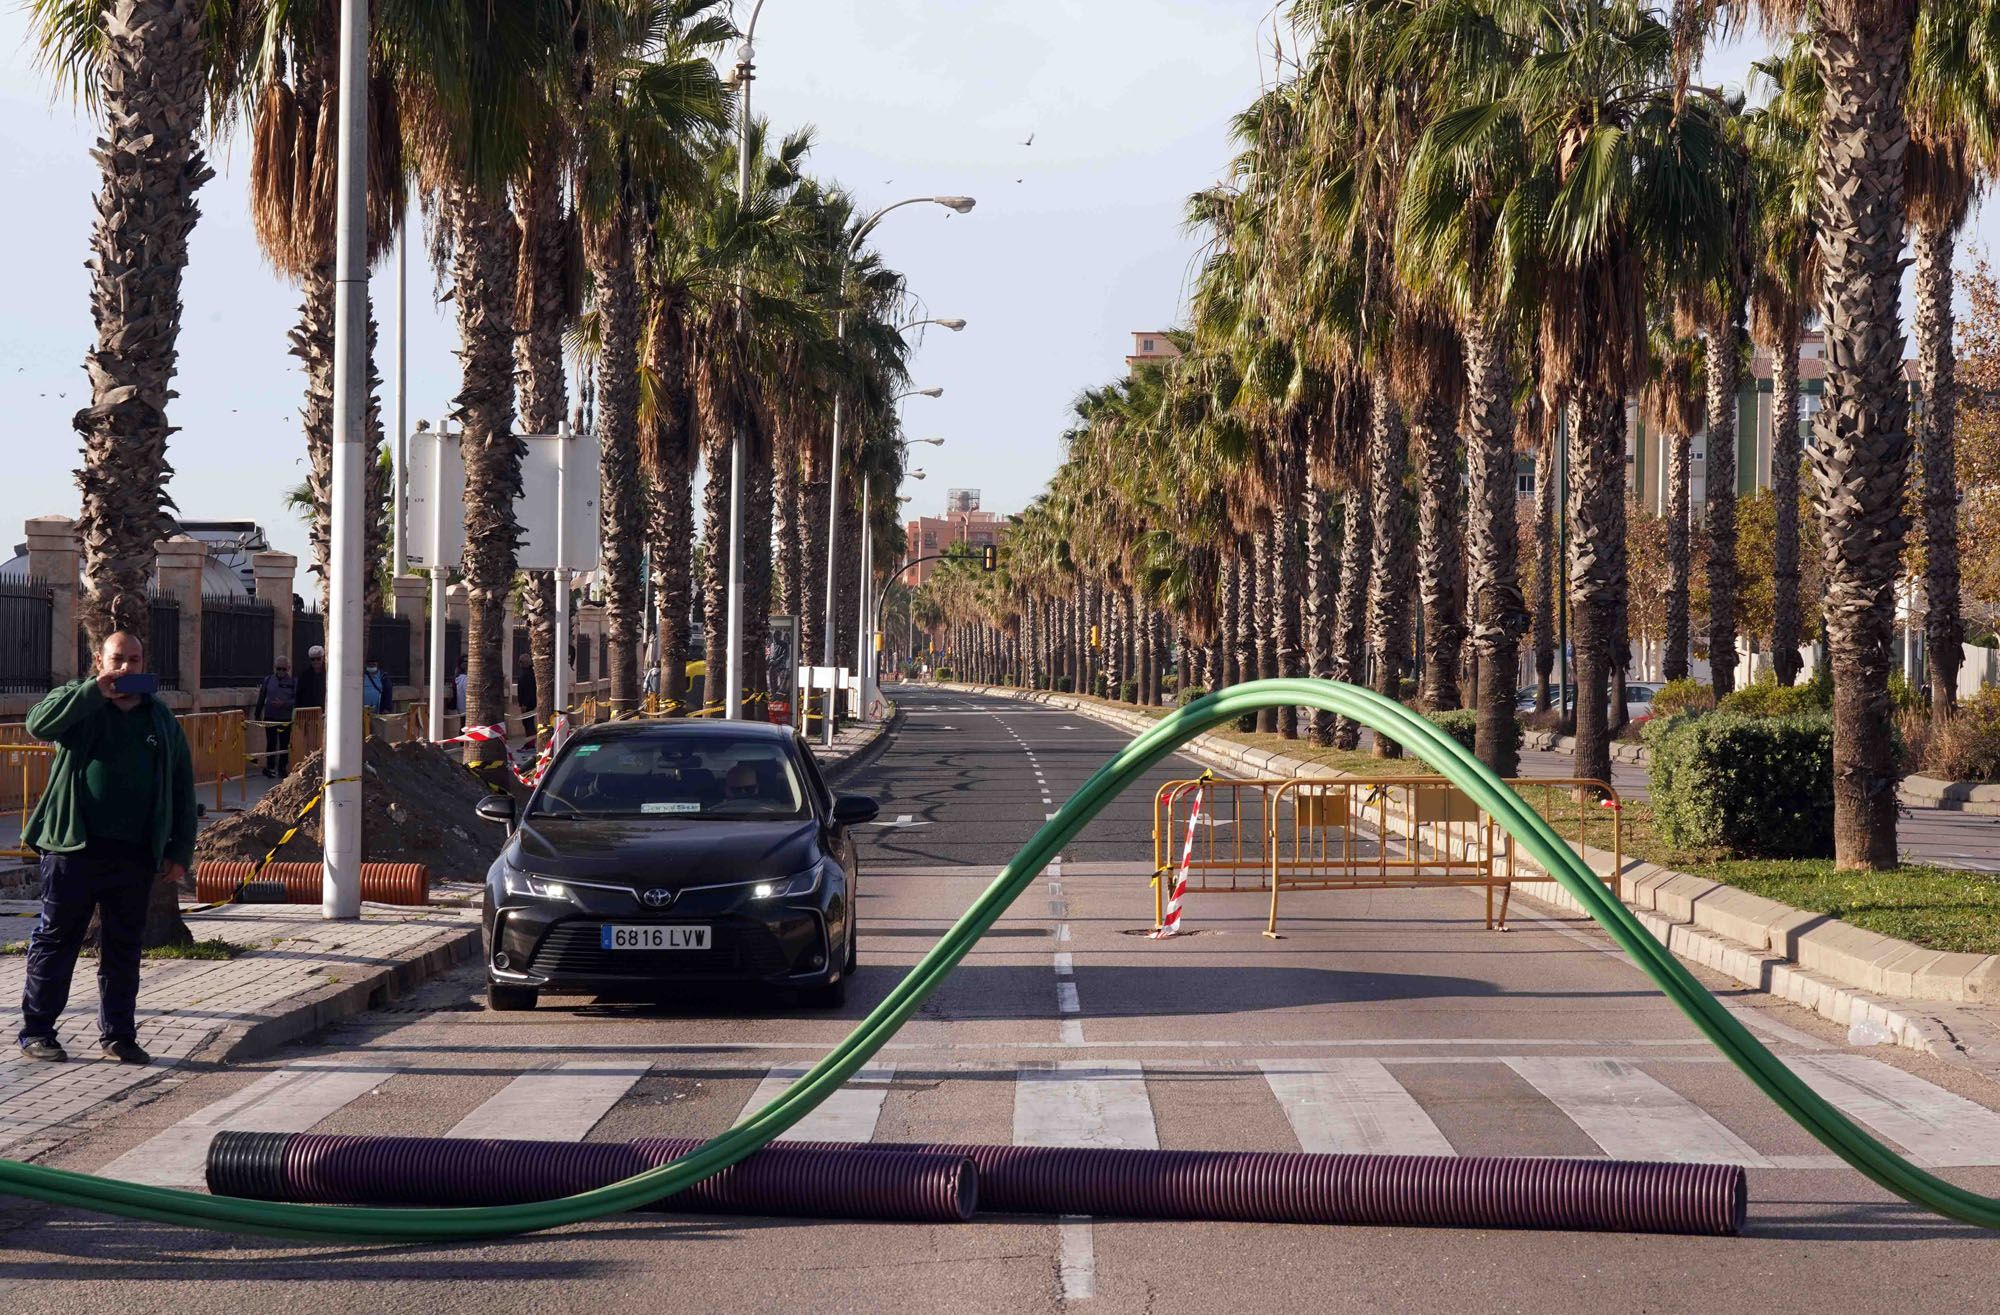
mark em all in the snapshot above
pixel 1062 932
pixel 1066 1001
pixel 1078 1258
pixel 1064 965
pixel 1944 1129
pixel 1070 1033
pixel 902 820
pixel 559 1104
pixel 1352 1106
pixel 288 1100
pixel 1048 817
pixel 1632 1115
pixel 849 1114
pixel 1083 1103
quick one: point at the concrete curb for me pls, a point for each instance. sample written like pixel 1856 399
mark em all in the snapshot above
pixel 859 755
pixel 336 1001
pixel 1550 742
pixel 1958 796
pixel 1843 973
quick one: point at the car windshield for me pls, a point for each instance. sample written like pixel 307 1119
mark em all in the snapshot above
pixel 686 776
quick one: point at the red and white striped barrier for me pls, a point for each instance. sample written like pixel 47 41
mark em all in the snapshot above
pixel 476 734
pixel 1170 925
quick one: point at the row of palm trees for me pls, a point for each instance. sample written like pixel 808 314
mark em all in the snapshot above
pixel 1456 228
pixel 577 172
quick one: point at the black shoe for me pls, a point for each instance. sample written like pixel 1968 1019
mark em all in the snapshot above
pixel 45 1047
pixel 126 1052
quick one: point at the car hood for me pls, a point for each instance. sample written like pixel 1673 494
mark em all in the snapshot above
pixel 669 852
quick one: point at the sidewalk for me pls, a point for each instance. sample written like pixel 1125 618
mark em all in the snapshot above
pixel 298 974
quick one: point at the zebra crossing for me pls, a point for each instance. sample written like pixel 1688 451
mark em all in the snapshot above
pixel 1334 1105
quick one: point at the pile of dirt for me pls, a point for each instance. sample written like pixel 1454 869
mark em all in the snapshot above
pixel 416 807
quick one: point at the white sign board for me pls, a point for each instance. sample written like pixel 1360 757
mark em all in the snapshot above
pixel 434 502
pixel 573 457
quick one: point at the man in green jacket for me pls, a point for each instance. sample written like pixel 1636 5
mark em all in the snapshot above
pixel 118 815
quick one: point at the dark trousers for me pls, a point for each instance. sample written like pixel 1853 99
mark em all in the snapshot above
pixel 278 739
pixel 116 881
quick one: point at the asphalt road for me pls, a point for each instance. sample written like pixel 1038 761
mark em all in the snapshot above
pixel 1387 1021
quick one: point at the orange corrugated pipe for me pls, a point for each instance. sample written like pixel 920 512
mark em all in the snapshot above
pixel 381 883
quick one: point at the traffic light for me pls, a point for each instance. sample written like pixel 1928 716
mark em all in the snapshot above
pixel 989 558
pixel 1095 641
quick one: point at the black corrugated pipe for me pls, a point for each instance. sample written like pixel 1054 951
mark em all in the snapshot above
pixel 1255 1187
pixel 907 1186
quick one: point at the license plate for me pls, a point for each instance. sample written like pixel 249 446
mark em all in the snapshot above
pixel 653 938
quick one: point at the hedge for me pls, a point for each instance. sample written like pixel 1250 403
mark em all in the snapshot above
pixel 1463 725
pixel 1759 787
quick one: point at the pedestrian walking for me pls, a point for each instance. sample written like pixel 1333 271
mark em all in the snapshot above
pixel 524 693
pixel 378 688
pixel 458 689
pixel 277 700
pixel 118 815
pixel 312 680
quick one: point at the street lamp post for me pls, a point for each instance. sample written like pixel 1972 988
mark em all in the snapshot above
pixel 732 680
pixel 865 644
pixel 960 204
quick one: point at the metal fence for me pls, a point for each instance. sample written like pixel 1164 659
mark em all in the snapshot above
pixel 237 641
pixel 308 629
pixel 583 657
pixel 163 641
pixel 389 646
pixel 27 611
pixel 454 649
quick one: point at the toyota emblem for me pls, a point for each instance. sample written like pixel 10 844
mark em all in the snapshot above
pixel 657 899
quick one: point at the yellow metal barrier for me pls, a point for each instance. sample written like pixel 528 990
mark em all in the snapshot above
pixel 34 760
pixel 1391 833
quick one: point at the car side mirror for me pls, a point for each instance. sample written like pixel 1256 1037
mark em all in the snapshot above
pixel 496 808
pixel 854 809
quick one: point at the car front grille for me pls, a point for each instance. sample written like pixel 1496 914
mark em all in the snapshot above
pixel 736 949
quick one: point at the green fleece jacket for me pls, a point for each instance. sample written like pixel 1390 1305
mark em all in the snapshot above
pixel 73 717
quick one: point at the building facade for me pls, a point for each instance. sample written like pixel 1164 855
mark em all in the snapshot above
pixel 927 535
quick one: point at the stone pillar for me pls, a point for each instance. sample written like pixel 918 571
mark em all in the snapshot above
pixel 412 596
pixel 275 574
pixel 53 558
pixel 181 559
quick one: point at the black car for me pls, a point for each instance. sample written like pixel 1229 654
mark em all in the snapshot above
pixel 655 853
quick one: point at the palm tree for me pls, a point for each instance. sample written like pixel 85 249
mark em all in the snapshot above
pixel 1672 404
pixel 148 67
pixel 1954 100
pixel 1782 136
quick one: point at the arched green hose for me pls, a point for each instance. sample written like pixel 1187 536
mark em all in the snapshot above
pixel 356 1223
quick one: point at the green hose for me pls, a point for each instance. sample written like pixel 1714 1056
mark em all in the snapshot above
pixel 355 1223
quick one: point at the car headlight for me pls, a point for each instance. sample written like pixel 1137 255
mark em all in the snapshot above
pixel 517 882
pixel 803 883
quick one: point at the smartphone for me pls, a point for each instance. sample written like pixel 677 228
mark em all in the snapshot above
pixel 136 682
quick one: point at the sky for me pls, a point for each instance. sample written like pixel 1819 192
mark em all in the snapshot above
pixel 1075 243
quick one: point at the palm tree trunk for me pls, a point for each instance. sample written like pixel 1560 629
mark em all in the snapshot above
pixel 1230 623
pixel 1597 578
pixel 788 509
pixel 620 514
pixel 1265 569
pixel 812 548
pixel 1786 445
pixel 544 388
pixel 1350 618
pixel 1285 607
pixel 715 558
pixel 484 262
pixel 1937 451
pixel 1493 545
pixel 312 346
pixel 1548 487
pixel 1322 590
pixel 1674 665
pixel 376 533
pixel 1389 581
pixel 1440 554
pixel 757 585
pixel 1862 453
pixel 1722 573
pixel 149 80
pixel 1247 657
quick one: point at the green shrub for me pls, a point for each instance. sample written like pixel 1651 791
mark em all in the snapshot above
pixel 1065 685
pixel 1191 693
pixel 1901 695
pixel 1463 725
pixel 942 673
pixel 1759 787
pixel 1683 695
pixel 1129 691
pixel 1765 697
pixel 1967 748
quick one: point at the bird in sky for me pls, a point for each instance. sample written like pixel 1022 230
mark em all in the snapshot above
pixel 1030 141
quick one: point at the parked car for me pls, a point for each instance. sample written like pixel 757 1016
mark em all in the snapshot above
pixel 1638 698
pixel 655 853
